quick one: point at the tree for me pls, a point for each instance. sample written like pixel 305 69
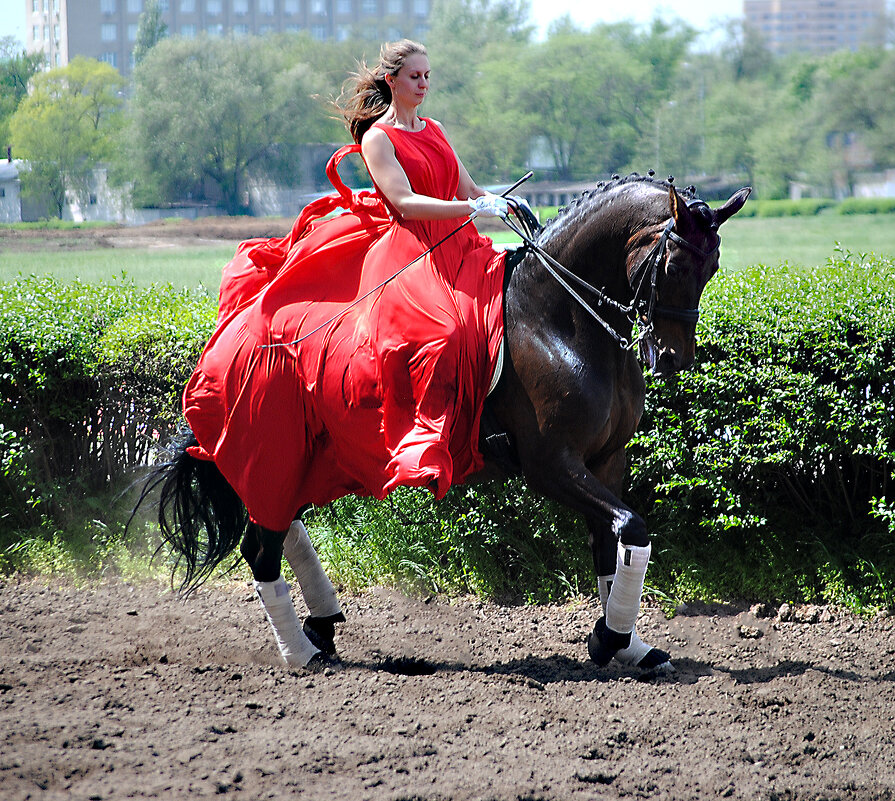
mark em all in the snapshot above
pixel 151 29
pixel 16 69
pixel 66 125
pixel 215 109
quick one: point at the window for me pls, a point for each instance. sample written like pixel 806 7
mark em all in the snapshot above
pixel 318 7
pixel 370 8
pixel 163 6
pixel 110 58
pixel 56 31
pixel 343 7
pixel 215 29
pixel 46 33
pixel 343 33
pixel 132 33
pixel 107 6
pixel 2 191
pixel 395 6
pixel 109 32
pixel 92 199
pixel 319 32
pixel 292 6
pixel 134 6
pixel 241 30
pixel 421 8
pixel 35 6
pixel 266 29
pixel 35 33
pixel 187 6
pixel 188 31
pixel 240 7
pixel 213 7
pixel 266 7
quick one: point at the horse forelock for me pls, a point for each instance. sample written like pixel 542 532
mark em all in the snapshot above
pixel 618 187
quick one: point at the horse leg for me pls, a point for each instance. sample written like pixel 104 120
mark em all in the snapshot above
pixel 318 591
pixel 262 549
pixel 563 476
pixel 606 555
pixel 605 550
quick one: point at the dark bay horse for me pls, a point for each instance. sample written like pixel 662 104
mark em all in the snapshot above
pixel 633 255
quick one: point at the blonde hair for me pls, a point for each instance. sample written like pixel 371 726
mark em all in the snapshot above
pixel 366 95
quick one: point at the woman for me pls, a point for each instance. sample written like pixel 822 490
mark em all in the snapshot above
pixel 328 373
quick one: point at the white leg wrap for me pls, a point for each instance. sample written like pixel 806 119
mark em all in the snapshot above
pixel 317 589
pixel 623 604
pixel 638 648
pixel 294 645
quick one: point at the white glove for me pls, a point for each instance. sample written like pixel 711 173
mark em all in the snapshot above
pixel 489 205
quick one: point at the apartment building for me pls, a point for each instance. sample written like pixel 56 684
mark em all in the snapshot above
pixel 817 26
pixel 107 29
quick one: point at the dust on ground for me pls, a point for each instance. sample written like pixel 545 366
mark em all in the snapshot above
pixel 119 691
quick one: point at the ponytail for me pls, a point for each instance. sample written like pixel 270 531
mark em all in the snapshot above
pixel 366 94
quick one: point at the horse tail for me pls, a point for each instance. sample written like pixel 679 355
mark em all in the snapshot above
pixel 201 518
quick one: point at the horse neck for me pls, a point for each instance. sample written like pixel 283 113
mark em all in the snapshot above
pixel 594 245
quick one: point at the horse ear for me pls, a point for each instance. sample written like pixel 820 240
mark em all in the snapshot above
pixel 683 217
pixel 732 206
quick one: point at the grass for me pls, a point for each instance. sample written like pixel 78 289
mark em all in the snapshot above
pixel 184 266
pixel 800 241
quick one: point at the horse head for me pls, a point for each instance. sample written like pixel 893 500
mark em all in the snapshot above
pixel 684 259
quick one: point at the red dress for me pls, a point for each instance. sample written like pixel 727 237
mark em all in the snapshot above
pixel 382 393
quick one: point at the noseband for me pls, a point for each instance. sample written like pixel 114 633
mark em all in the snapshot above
pixel 644 280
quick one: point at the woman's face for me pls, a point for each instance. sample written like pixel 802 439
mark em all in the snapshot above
pixel 410 85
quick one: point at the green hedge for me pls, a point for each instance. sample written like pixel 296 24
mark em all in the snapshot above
pixel 89 379
pixel 867 205
pixel 764 473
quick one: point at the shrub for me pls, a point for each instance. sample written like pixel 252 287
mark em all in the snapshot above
pixel 89 379
pixel 867 205
pixel 767 471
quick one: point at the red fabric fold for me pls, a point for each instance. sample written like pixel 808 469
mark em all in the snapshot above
pixel 382 391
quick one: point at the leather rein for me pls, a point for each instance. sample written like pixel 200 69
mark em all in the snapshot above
pixel 644 280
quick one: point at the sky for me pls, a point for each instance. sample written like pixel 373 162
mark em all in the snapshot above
pixel 583 12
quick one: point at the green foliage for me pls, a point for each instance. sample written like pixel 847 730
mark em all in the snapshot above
pixel 89 384
pixel 212 109
pixel 767 471
pixel 151 29
pixel 497 540
pixel 806 207
pixel 867 205
pixel 65 126
pixel 16 69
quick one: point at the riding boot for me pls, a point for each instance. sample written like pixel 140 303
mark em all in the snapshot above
pixel 318 591
pixel 638 654
pixel 295 647
pixel 613 632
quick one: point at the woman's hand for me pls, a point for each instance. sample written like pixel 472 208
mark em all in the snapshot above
pixel 489 205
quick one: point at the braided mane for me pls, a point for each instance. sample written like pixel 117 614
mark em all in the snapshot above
pixel 604 188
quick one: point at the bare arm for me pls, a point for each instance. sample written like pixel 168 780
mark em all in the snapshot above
pixel 389 176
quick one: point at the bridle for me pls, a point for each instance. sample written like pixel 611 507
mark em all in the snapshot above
pixel 643 309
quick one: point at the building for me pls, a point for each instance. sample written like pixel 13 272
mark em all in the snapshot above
pixel 107 29
pixel 817 26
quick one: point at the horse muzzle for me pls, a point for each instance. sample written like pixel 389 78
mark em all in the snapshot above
pixel 664 362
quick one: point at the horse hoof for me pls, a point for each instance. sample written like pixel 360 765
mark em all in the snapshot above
pixel 321 631
pixel 603 643
pixel 320 663
pixel 657 661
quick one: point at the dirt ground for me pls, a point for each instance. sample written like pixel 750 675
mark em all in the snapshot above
pixel 163 233
pixel 118 691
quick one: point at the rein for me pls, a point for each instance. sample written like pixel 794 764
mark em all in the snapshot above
pixel 392 277
pixel 643 307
